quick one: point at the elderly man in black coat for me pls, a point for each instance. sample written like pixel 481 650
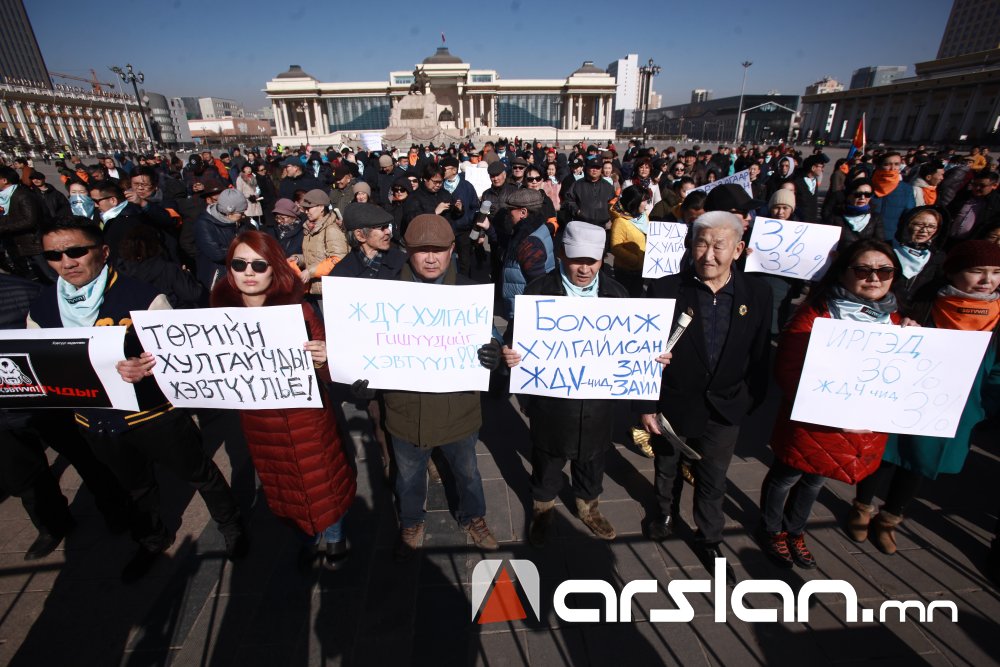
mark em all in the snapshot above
pixel 567 429
pixel 717 376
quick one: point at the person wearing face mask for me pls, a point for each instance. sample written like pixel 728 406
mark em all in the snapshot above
pixel 968 301
pixel 918 242
pixel 629 227
pixel 80 203
pixel 215 230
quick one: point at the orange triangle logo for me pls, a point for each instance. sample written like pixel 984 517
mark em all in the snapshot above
pixel 503 603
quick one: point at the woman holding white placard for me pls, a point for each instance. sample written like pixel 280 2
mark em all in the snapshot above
pixel 857 287
pixel 968 302
pixel 297 452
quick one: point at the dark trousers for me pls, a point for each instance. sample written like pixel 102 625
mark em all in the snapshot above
pixel 903 485
pixel 716 445
pixel 174 442
pixel 25 472
pixel 787 496
pixel 547 480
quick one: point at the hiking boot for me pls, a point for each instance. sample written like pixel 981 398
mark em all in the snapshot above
pixel 660 529
pixel 481 534
pixel 775 547
pixel 884 531
pixel 859 520
pixel 800 552
pixel 592 518
pixel 542 514
pixel 410 541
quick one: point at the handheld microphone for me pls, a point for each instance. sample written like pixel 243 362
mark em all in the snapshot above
pixel 682 324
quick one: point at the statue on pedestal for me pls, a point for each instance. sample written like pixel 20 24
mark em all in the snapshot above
pixel 421 80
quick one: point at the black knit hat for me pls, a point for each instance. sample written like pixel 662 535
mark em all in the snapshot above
pixel 972 253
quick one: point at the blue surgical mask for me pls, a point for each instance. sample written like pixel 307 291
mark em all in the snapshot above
pixel 81 205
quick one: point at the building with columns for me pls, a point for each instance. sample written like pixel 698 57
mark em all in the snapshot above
pixel 37 118
pixel 470 102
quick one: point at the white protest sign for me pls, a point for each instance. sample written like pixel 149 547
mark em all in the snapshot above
pixel 741 178
pixel 236 358
pixel 478 178
pixel 791 249
pixel 64 368
pixel 372 141
pixel 590 348
pixel 404 335
pixel 664 249
pixel 887 378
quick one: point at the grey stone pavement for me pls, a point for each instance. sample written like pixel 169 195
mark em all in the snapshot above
pixel 195 608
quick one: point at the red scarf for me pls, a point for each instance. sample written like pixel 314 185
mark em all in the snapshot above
pixel 955 312
pixel 884 181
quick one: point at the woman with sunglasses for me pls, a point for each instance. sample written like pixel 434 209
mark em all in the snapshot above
pixel 968 301
pixel 858 286
pixel 534 180
pixel 854 215
pixel 297 452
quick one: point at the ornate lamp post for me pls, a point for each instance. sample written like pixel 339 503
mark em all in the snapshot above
pixel 739 113
pixel 646 74
pixel 128 75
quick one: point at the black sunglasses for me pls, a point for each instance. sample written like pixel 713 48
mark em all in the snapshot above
pixel 533 179
pixel 76 252
pixel 866 272
pixel 867 195
pixel 258 265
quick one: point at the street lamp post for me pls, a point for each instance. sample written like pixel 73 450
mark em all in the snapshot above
pixel 304 108
pixel 128 75
pixel 646 74
pixel 739 113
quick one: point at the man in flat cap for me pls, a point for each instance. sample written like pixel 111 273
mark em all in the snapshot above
pixel 529 254
pixel 293 178
pixel 369 233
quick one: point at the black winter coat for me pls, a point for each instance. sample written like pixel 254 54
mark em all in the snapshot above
pixel 589 201
pixel 180 287
pixel 352 266
pixel 572 428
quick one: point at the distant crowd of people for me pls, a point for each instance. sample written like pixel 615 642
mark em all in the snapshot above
pixel 920 246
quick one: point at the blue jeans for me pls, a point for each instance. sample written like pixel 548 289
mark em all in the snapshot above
pixel 778 511
pixel 411 479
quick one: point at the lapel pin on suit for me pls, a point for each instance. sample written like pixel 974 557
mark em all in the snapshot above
pixel 743 309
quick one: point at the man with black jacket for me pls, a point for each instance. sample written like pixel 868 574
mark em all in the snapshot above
pixel 589 198
pixel 54 203
pixel 718 375
pixel 431 197
pixel 20 216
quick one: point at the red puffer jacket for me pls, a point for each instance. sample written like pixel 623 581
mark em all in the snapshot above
pixel 299 459
pixel 822 450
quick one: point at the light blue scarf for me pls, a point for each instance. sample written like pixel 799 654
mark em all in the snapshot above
pixel 108 216
pixel 846 306
pixel 81 205
pixel 5 196
pixel 913 259
pixel 641 223
pixel 451 186
pixel 858 222
pixel 590 291
pixel 78 306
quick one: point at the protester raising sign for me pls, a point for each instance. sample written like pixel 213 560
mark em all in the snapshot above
pixel 664 249
pixel 791 249
pixel 64 368
pixel 590 348
pixel 741 178
pixel 891 379
pixel 404 335
pixel 237 358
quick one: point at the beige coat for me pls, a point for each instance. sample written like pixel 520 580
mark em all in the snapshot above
pixel 254 209
pixel 326 240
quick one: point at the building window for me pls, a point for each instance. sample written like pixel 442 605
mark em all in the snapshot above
pixel 402 80
pixel 482 78
pixel 529 110
pixel 358 113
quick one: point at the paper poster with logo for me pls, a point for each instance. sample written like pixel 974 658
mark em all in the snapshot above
pixel 236 358
pixel 405 335
pixel 892 379
pixel 64 368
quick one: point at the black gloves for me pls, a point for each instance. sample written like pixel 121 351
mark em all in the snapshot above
pixel 489 355
pixel 360 390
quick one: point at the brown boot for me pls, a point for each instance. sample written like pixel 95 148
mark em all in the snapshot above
pixel 593 519
pixel 884 531
pixel 541 518
pixel 858 521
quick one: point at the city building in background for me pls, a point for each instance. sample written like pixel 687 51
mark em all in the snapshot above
pixel 881 75
pixel 178 118
pixel 825 85
pixel 626 73
pixel 219 107
pixel 20 58
pixel 973 25
pixel 227 132
pixel 159 116
pixel 766 119
pixel 468 102
pixel 700 95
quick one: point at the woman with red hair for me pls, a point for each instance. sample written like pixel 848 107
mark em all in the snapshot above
pixel 297 452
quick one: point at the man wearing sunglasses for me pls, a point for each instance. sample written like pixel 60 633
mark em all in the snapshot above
pixel 90 292
pixel 369 232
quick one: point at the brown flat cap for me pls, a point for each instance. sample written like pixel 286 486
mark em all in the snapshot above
pixel 428 229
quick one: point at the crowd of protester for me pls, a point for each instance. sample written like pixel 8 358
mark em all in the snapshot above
pixel 920 246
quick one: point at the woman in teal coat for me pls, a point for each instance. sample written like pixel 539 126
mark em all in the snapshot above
pixel 969 302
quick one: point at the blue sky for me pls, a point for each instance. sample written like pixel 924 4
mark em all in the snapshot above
pixel 229 49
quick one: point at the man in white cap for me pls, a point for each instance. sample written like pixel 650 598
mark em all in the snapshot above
pixel 567 429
